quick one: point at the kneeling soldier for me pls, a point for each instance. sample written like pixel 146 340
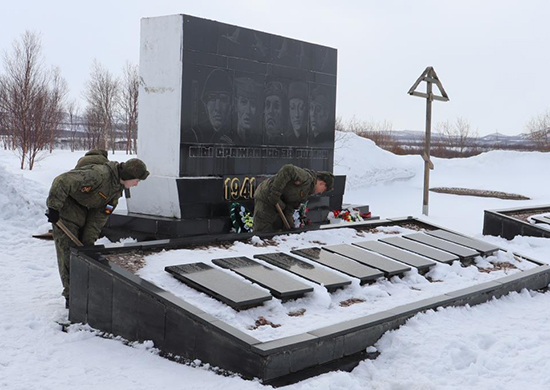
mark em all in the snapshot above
pixel 288 188
pixel 83 199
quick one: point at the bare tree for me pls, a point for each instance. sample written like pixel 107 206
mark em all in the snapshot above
pixel 101 94
pixel 339 124
pixel 379 132
pixel 74 124
pixel 55 104
pixel 539 131
pixel 93 126
pixel 5 135
pixel 31 98
pixel 129 105
pixel 459 135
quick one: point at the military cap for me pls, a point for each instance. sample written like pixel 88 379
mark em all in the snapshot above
pixel 134 168
pixel 217 82
pixel 320 95
pixel 274 88
pixel 246 87
pixel 327 177
pixel 297 89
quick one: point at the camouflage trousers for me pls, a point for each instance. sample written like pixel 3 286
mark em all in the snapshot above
pixel 63 246
pixel 267 219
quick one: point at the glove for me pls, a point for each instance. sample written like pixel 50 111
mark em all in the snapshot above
pixel 53 215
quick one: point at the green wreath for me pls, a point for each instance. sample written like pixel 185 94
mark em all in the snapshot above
pixel 241 218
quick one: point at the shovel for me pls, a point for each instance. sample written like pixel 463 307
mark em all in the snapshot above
pixel 282 215
pixel 74 238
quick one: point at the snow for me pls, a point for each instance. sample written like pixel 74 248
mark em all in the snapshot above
pixel 322 308
pixel 502 344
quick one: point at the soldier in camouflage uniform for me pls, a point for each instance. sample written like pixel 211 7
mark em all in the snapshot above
pixel 289 188
pixel 83 199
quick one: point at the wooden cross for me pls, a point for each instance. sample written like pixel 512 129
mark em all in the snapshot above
pixel 430 77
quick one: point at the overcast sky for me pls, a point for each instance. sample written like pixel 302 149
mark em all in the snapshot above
pixel 492 56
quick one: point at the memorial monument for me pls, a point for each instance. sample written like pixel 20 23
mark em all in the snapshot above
pixel 221 107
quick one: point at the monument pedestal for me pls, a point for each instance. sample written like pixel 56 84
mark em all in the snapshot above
pixel 198 206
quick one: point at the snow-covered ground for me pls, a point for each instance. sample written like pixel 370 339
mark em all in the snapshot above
pixel 503 344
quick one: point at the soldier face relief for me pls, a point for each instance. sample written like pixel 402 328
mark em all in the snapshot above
pixel 273 113
pixel 296 111
pixel 246 111
pixel 217 105
pixel 318 117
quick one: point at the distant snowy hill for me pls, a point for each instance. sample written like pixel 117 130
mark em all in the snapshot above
pixel 521 141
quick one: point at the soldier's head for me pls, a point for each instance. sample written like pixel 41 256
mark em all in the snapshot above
pixel 297 93
pixel 131 172
pixel 216 97
pixel 318 110
pixel 247 94
pixel 273 108
pixel 325 182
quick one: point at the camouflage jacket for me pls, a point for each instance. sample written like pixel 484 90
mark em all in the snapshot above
pixel 86 197
pixel 94 156
pixel 291 186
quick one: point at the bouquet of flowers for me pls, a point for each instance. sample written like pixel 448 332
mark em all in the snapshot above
pixel 349 214
pixel 300 216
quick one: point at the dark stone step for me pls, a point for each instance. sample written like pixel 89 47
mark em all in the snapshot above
pixel 330 280
pixel 484 248
pixel 423 250
pixel 220 285
pixel 423 264
pixel 340 263
pixel 389 267
pixel 280 285
pixel 447 246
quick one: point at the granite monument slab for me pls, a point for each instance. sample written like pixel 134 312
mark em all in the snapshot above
pixel 280 285
pixel 421 263
pixel 423 250
pixel 330 280
pixel 484 248
pixel 220 285
pixel 389 267
pixel 461 251
pixel 340 263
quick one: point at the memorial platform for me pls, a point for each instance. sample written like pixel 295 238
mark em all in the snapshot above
pixel 113 300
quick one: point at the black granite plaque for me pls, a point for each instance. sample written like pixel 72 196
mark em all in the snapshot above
pixel 340 263
pixel 423 250
pixel 389 267
pixel 422 263
pixel 280 285
pixel 482 247
pixel 330 280
pixel 220 285
pixel 253 101
pixel 459 250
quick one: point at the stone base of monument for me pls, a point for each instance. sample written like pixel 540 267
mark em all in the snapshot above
pixel 508 223
pixel 118 302
pixel 204 210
